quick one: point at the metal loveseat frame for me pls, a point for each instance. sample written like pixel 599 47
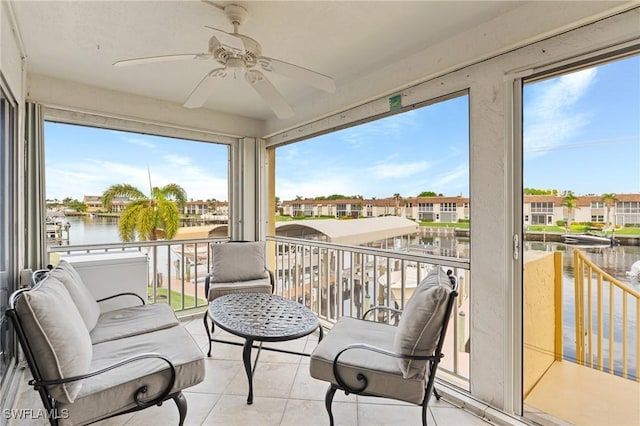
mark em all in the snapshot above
pixel 141 398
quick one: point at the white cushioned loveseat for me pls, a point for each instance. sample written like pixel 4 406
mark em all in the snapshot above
pixel 90 365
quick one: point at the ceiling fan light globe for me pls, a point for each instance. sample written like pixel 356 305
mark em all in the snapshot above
pixel 235 63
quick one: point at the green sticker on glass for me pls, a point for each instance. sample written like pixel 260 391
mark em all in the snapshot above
pixel 395 102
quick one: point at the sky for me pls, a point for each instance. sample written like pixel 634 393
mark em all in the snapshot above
pixel 86 161
pixel 582 130
pixel 581 133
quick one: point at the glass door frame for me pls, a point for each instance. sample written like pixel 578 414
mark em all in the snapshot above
pixel 514 87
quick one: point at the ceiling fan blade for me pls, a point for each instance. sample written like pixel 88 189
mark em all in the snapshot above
pixel 268 92
pixel 203 90
pixel 304 75
pixel 210 3
pixel 162 58
pixel 229 41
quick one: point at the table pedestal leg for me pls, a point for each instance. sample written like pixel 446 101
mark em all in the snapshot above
pixel 246 358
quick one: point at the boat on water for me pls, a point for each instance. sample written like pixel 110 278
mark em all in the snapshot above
pixel 423 248
pixel 589 238
pixel 411 277
pixel 57 230
pixel 634 271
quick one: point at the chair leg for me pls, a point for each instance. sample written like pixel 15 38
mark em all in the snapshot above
pixel 424 414
pixel 328 399
pixel 436 394
pixel 181 403
pixel 206 327
pixel 432 368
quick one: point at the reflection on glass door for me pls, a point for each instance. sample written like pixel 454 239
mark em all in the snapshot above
pixel 7 142
pixel 581 296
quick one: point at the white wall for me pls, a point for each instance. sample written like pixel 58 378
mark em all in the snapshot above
pixel 10 57
pixel 72 96
pixel 11 69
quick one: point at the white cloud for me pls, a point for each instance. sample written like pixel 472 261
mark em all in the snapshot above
pixel 90 177
pixel 93 177
pixel 289 153
pixel 394 170
pixel 452 182
pixel 360 136
pixel 459 175
pixel 140 142
pixel 551 119
pixel 177 160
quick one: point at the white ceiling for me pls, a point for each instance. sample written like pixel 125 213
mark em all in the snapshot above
pixel 348 40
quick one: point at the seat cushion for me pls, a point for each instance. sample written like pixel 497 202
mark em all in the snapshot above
pixel 383 374
pixel 113 391
pixel 132 321
pixel 238 261
pixel 82 297
pixel 57 335
pixel 262 285
pixel 421 321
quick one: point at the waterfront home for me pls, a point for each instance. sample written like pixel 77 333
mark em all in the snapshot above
pixel 385 58
pixel 537 209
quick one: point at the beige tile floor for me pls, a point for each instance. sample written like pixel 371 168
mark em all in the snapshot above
pixel 284 394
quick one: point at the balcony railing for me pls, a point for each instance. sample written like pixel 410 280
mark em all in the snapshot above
pixel 333 280
pixel 605 311
pixel 177 268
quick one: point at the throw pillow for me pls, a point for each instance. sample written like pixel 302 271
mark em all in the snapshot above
pixel 421 321
pixel 80 294
pixel 238 261
pixel 57 335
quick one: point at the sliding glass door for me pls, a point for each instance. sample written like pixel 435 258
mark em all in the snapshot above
pixel 581 267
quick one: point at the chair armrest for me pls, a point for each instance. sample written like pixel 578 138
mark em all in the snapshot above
pixel 394 312
pixel 123 294
pixel 272 280
pixel 39 274
pixel 140 391
pixel 207 284
pixel 361 377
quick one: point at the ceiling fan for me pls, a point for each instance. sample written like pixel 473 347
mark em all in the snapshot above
pixel 241 55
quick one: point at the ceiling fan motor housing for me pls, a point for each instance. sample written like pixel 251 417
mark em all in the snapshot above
pixel 252 50
pixel 237 14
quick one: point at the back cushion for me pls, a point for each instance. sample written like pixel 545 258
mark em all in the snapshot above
pixel 56 334
pixel 236 261
pixel 421 321
pixel 80 294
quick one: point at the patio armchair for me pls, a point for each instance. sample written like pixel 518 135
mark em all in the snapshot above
pixel 237 267
pixel 371 358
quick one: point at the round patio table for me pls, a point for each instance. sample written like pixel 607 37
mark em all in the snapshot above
pixel 264 318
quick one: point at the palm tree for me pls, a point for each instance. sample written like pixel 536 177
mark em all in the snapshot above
pixel 571 204
pixel 609 200
pixel 397 197
pixel 146 215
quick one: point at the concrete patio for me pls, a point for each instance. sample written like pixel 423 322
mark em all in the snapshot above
pixel 284 394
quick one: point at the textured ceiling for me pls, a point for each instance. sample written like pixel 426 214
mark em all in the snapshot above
pixel 349 40
pixel 80 40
